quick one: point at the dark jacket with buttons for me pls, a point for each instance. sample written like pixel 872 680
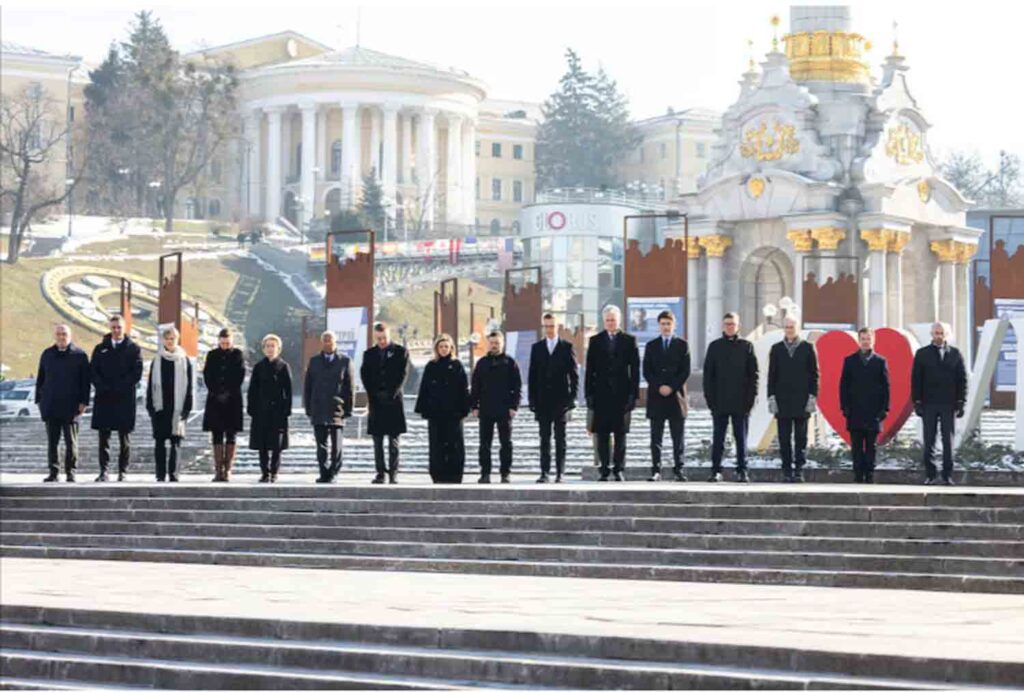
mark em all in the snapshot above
pixel 864 392
pixel 384 372
pixel 269 404
pixel 554 380
pixel 937 381
pixel 116 372
pixel 497 386
pixel 666 367
pixel 792 379
pixel 444 394
pixel 223 373
pixel 327 394
pixel 730 376
pixel 62 383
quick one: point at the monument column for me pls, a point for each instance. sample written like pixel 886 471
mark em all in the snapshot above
pixel 947 252
pixel 715 247
pixel 309 147
pixel 878 243
pixel 894 273
pixel 469 173
pixel 375 128
pixel 253 136
pixel 351 154
pixel 389 161
pixel 426 173
pixel 453 193
pixel 273 209
pixel 405 176
pixel 965 252
pixel 692 289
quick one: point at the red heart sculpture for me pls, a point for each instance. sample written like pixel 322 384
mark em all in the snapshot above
pixel 897 349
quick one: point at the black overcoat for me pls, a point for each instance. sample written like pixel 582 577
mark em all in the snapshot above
pixel 116 372
pixel 62 383
pixel 269 404
pixel 496 387
pixel 443 390
pixel 792 380
pixel 671 368
pixel 864 392
pixel 936 381
pixel 223 373
pixel 384 372
pixel 554 380
pixel 327 393
pixel 730 376
pixel 612 382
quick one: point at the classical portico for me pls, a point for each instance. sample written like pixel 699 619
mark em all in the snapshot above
pixel 822 180
pixel 359 113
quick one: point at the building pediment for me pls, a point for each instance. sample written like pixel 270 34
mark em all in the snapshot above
pixel 766 194
pixel 272 49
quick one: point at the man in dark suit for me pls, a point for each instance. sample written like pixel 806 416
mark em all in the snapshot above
pixel 792 396
pixel 553 383
pixel 730 387
pixel 63 383
pixel 938 387
pixel 864 399
pixel 666 369
pixel 612 387
pixel 494 399
pixel 383 372
pixel 116 367
pixel 327 397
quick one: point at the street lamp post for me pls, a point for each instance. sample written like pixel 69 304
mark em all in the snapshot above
pixel 68 151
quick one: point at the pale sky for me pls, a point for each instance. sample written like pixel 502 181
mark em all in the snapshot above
pixel 965 58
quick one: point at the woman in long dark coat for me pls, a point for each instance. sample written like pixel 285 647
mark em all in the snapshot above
pixel 270 404
pixel 223 373
pixel 444 401
pixel 169 401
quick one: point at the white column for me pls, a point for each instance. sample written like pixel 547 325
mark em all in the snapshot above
pixel 715 298
pixel 964 334
pixel 469 172
pixel 894 273
pixel 426 170
pixel 947 294
pixel 253 201
pixel 692 289
pixel 453 203
pixel 351 155
pixel 375 141
pixel 286 145
pixel 406 176
pixel 321 142
pixel 389 161
pixel 876 304
pixel 309 147
pixel 273 209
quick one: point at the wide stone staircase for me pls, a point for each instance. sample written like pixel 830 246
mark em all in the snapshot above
pixel 956 542
pixel 53 648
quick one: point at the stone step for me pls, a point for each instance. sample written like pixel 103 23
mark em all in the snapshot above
pixel 66 641
pixel 582 537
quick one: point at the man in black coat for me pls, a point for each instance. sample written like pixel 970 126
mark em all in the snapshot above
pixel 62 393
pixel 383 372
pixel 792 396
pixel 327 397
pixel 730 387
pixel 666 369
pixel 116 371
pixel 612 388
pixel 554 382
pixel 864 400
pixel 938 388
pixel 494 399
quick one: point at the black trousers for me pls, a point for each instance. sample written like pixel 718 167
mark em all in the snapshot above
pixel 504 426
pixel 936 417
pixel 378 454
pixel 166 464
pixel 862 444
pixel 677 428
pixel 124 453
pixel 223 437
pixel 447 450
pixel 270 461
pixel 739 434
pixel 546 425
pixel 329 461
pixel 55 429
pixel 792 442
pixel 605 453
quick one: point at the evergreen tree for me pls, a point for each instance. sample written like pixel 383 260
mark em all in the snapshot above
pixel 585 131
pixel 371 207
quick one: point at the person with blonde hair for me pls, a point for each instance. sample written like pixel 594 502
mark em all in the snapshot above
pixel 444 402
pixel 169 401
pixel 269 404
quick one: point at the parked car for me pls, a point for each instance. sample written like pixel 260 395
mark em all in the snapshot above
pixel 18 403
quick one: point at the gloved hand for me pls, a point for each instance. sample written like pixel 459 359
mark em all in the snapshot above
pixel 773 406
pixel 812 404
pixel 959 411
pixel 919 409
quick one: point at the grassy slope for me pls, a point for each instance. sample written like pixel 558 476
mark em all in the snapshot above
pixel 417 307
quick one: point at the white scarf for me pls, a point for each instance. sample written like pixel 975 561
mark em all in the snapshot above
pixel 180 360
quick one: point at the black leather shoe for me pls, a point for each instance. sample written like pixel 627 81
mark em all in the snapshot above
pixel 102 478
pixel 787 477
pixel 715 477
pixel 393 478
pixel 656 476
pixel 485 479
pixel 931 481
pixel 678 476
pixel 948 481
pixel 741 477
pixel 617 475
pixel 71 478
pixel 52 478
pixel 378 479
pixel 543 478
pixel 558 478
pixel 265 478
pixel 869 478
pixel 505 478
pixel 603 478
pixel 798 477
pixel 123 476
pixel 321 479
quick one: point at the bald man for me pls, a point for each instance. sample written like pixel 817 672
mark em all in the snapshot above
pixel 62 394
pixel 938 386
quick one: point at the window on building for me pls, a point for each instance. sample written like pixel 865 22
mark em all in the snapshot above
pixel 496 150
pixel 214 208
pixel 496 189
pixel 663 150
pixel 517 151
pixel 517 190
pixel 336 158
pixel 495 227
pixel 701 150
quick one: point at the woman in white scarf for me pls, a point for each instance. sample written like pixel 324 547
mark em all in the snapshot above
pixel 169 401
